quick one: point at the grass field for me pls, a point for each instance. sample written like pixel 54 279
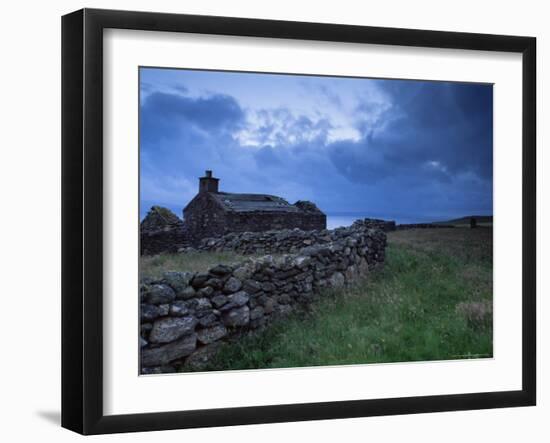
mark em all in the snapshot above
pixel 432 301
pixel 154 266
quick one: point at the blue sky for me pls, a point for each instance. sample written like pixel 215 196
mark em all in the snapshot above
pixel 400 149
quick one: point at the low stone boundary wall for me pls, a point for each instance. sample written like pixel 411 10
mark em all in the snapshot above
pixel 375 223
pixel 186 316
pixel 422 226
pixel 286 240
pixel 270 242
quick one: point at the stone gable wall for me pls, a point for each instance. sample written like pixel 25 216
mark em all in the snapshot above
pixel 204 218
pixel 185 317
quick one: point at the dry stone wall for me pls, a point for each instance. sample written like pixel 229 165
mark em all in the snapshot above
pixel 390 225
pixel 271 242
pixel 375 223
pixel 168 239
pixel 186 316
pixel 422 226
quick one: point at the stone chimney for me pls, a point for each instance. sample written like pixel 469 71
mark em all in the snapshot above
pixel 208 183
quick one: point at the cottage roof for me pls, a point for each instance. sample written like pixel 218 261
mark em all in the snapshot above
pixel 253 202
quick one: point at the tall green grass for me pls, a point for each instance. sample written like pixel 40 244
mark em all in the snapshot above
pixel 405 312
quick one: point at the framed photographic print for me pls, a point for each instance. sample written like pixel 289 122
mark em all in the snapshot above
pixel 268 221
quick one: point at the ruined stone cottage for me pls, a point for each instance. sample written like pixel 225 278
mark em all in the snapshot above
pixel 161 231
pixel 212 213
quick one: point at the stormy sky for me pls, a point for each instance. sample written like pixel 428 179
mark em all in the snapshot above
pixel 406 150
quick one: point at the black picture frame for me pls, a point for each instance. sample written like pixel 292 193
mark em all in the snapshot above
pixel 82 215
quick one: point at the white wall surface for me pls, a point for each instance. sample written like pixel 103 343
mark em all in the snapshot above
pixel 30 186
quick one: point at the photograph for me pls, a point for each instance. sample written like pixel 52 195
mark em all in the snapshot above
pixel 291 220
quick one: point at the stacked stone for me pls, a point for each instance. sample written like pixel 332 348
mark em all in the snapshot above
pixel 277 242
pixel 186 316
pixel 375 223
pixel 170 239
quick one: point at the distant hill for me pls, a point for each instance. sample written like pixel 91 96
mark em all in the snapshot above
pixel 481 219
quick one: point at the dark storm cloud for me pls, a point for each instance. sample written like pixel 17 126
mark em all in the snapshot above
pixel 432 132
pixel 162 114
